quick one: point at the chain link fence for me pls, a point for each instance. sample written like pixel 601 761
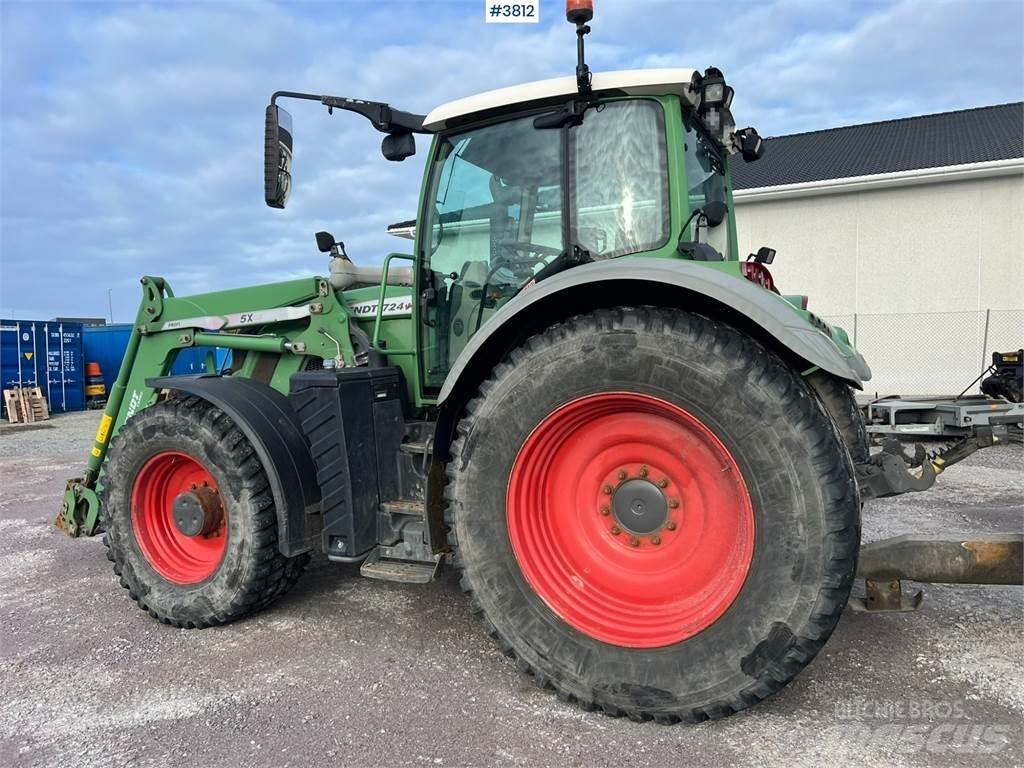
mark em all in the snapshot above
pixel 931 353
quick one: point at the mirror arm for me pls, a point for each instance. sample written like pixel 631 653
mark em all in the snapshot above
pixel 384 118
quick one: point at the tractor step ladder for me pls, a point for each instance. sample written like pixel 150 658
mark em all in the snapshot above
pixel 407 561
pixel 410 559
pixel 406 571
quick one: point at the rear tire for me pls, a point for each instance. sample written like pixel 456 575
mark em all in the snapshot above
pixel 192 581
pixel 837 397
pixel 640 383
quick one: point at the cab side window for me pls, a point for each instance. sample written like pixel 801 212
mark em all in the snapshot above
pixel 619 183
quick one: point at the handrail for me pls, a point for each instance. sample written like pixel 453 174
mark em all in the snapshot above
pixel 375 342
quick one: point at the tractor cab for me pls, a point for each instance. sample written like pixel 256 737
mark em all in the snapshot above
pixel 516 192
pixel 527 181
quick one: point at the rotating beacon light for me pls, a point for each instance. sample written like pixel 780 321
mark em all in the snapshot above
pixel 579 11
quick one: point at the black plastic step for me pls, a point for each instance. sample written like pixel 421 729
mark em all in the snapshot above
pixel 404 571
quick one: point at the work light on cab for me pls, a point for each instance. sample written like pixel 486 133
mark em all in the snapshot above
pixel 715 94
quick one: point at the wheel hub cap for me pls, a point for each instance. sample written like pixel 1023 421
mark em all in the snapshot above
pixel 197 512
pixel 640 506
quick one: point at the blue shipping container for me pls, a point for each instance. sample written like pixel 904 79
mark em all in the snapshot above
pixel 105 344
pixel 47 355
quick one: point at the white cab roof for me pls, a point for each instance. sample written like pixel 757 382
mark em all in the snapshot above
pixel 637 82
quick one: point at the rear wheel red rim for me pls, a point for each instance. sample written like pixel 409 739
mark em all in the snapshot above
pixel 178 558
pixel 599 545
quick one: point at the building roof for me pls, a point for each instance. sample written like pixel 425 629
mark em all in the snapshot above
pixel 963 137
pixel 637 82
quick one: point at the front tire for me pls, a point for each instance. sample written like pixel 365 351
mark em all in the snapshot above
pixel 654 514
pixel 181 463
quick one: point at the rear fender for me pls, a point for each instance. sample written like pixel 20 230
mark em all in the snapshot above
pixel 636 281
pixel 267 419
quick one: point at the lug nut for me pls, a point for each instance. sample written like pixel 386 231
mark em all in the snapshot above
pixel 634 541
pixel 673 503
pixel 616 530
pixel 607 490
pixel 663 483
pixel 622 474
pixel 670 525
pixel 605 511
pixel 655 540
pixel 643 470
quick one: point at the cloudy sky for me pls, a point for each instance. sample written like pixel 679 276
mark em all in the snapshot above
pixel 132 133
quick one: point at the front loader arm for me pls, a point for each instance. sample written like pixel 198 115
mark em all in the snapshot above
pixel 287 321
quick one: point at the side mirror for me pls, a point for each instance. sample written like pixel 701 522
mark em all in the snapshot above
pixel 751 144
pixel 277 157
pixel 398 146
pixel 715 212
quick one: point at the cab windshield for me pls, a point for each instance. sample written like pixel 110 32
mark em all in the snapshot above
pixel 509 198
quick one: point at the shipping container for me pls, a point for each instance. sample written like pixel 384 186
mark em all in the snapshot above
pixel 44 354
pixel 105 344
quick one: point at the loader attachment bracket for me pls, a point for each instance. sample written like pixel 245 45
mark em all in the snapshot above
pixel 80 509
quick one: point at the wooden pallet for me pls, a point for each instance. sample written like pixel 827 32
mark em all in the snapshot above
pixel 25 405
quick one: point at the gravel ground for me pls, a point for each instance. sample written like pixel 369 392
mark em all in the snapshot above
pixel 354 672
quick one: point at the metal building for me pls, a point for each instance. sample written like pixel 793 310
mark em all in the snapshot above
pixel 909 233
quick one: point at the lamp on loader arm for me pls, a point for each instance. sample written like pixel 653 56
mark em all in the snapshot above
pixel 325 243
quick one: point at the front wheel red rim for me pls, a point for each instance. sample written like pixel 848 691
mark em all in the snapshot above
pixel 179 558
pixel 630 519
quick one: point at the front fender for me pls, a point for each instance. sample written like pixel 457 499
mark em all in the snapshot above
pixel 696 285
pixel 267 419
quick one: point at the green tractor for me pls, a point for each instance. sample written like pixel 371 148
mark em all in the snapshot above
pixel 646 464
